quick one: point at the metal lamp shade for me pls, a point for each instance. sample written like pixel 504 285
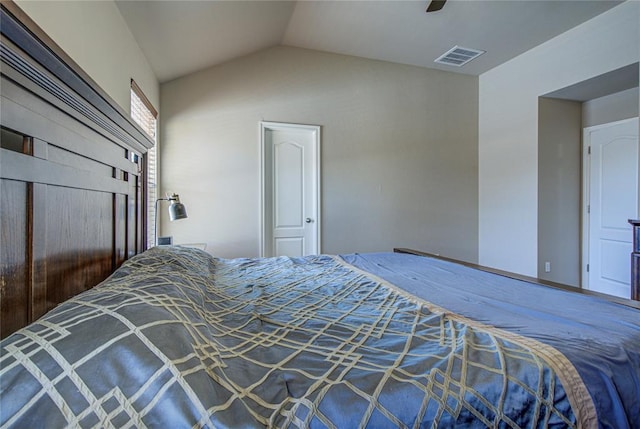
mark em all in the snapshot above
pixel 177 211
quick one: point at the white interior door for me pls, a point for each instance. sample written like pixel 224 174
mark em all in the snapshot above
pixel 612 201
pixel 291 189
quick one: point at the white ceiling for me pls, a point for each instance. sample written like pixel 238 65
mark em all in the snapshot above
pixel 179 37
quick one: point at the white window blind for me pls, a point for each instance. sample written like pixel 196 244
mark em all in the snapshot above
pixel 146 116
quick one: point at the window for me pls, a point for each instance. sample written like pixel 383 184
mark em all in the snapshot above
pixel 146 116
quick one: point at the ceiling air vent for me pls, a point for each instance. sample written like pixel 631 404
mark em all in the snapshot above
pixel 458 56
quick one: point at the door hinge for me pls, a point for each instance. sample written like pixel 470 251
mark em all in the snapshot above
pixel 588 208
pixel 589 150
pixel 587 267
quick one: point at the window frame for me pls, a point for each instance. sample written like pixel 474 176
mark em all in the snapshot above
pixel 150 162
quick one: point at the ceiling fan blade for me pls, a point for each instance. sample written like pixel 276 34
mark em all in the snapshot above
pixel 436 5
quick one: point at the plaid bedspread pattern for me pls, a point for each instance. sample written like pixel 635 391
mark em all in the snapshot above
pixel 177 338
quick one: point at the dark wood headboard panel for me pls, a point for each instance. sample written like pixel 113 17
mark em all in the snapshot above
pixel 71 176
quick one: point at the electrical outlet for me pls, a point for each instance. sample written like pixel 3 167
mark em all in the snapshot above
pixel 547 267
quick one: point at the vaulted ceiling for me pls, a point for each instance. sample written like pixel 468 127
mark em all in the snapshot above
pixel 181 37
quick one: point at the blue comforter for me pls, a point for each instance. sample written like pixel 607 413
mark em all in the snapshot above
pixel 600 338
pixel 177 338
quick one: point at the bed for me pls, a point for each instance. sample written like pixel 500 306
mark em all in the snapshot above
pixel 178 338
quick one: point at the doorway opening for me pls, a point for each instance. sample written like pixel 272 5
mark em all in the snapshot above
pixel 563 116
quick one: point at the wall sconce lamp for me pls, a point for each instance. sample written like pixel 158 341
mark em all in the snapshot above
pixel 176 211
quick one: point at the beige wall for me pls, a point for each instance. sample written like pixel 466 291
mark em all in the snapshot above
pixel 559 184
pixel 508 128
pixel 610 108
pixel 398 150
pixel 94 35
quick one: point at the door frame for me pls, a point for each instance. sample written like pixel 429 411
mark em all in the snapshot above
pixel 586 175
pixel 266 126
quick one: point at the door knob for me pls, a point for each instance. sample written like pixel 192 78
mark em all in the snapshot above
pixel 308 220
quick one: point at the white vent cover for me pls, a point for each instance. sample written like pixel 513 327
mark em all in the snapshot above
pixel 458 56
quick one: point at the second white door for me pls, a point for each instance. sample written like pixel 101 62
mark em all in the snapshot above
pixel 291 189
pixel 612 200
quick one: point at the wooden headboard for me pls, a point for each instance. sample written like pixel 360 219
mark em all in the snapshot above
pixel 72 188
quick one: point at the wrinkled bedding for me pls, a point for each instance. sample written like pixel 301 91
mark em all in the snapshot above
pixel 177 338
